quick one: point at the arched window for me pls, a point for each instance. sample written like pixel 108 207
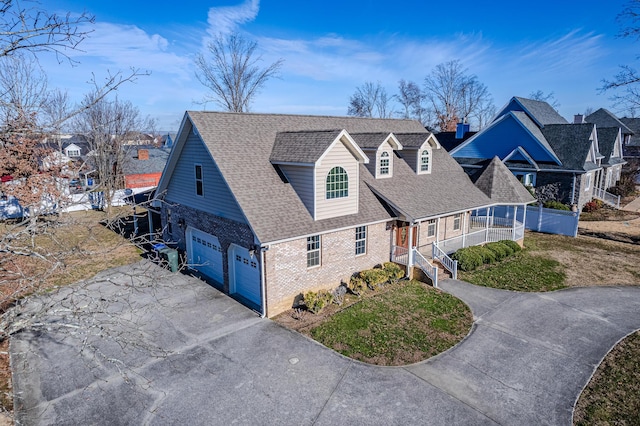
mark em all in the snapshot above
pixel 425 161
pixel 337 183
pixel 384 163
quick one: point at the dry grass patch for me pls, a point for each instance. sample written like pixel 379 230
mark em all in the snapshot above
pixel 74 247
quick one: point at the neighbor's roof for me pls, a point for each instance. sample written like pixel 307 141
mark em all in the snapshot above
pixel 155 164
pixel 604 118
pixel 541 111
pixel 571 143
pixel 501 185
pixel 634 125
pixel 449 141
pixel 607 137
pixel 242 145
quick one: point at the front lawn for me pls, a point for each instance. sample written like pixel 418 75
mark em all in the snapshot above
pixel 403 324
pixel 523 271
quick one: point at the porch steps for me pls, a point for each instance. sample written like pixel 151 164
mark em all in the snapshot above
pixel 443 273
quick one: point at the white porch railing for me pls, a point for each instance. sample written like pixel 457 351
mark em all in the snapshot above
pixel 426 266
pixel 448 263
pixel 399 255
pixel 607 197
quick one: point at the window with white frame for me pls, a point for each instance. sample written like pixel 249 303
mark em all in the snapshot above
pixel 73 153
pixel 313 251
pixel 384 163
pixel 337 183
pixel 431 228
pixel 425 160
pixel 361 240
pixel 587 182
pixel 457 222
pixel 199 181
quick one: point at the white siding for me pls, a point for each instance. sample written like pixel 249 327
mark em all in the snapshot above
pixel 338 155
pixel 217 197
pixel 301 179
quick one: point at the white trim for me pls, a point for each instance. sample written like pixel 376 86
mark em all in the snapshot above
pixel 524 153
pixel 350 144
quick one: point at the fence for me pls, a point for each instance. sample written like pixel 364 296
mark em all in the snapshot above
pixel 549 221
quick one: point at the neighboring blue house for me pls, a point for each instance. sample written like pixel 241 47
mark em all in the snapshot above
pixel 560 160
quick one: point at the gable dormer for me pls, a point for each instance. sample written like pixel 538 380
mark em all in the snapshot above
pixel 379 146
pixel 418 149
pixel 323 169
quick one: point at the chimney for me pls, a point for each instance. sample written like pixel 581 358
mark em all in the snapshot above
pixel 578 119
pixel 461 130
pixel 143 154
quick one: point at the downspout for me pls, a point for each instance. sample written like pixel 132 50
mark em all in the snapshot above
pixel 263 284
pixel 573 190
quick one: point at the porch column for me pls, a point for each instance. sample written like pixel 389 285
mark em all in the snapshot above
pixel 464 228
pixel 486 226
pixel 410 256
pixel 513 230
pixel 524 219
pixel 438 231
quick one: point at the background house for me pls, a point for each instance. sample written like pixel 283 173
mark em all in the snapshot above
pixel 562 161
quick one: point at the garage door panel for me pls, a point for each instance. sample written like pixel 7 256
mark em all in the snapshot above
pixel 246 274
pixel 205 255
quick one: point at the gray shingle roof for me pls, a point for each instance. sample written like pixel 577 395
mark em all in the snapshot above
pixel 155 164
pixel 570 142
pixel 412 140
pixel 242 144
pixel 604 118
pixel 607 137
pixel 634 125
pixel 302 147
pixel 541 111
pixel 369 140
pixel 499 184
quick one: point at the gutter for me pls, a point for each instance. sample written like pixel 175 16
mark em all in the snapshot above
pixel 263 284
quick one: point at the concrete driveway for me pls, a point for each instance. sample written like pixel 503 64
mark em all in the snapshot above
pixel 138 345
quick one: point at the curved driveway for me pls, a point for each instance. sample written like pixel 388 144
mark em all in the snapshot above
pixel 138 345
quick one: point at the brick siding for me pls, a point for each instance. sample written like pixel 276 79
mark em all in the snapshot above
pixel 287 275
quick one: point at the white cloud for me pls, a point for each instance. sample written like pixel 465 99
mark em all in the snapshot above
pixel 227 19
pixel 126 46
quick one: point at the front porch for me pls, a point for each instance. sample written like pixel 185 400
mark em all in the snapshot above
pixel 483 227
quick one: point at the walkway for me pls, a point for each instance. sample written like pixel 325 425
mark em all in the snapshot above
pixel 138 345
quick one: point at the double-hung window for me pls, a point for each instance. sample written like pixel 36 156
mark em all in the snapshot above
pixel 384 163
pixel 425 158
pixel 199 181
pixel 313 251
pixel 431 228
pixel 361 240
pixel 457 222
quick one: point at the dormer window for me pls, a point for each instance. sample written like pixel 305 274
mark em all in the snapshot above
pixel 337 183
pixel 425 161
pixel 384 163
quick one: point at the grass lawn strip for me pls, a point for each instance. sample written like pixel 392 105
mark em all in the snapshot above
pixel 612 397
pixel 406 324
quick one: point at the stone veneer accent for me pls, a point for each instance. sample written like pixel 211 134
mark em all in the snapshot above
pixel 287 275
pixel 228 231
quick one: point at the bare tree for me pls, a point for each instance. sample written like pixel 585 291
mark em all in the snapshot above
pixel 549 98
pixel 370 100
pixel 454 95
pixel 106 124
pixel 410 97
pixel 32 29
pixel 232 73
pixel 23 87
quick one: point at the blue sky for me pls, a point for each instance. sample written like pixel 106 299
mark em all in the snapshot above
pixel 331 47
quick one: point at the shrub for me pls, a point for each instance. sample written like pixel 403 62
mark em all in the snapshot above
pixel 468 260
pixel 356 285
pixel 316 302
pixel 374 277
pixel 553 204
pixel 394 272
pixel 593 206
pixel 515 247
pixel 499 250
